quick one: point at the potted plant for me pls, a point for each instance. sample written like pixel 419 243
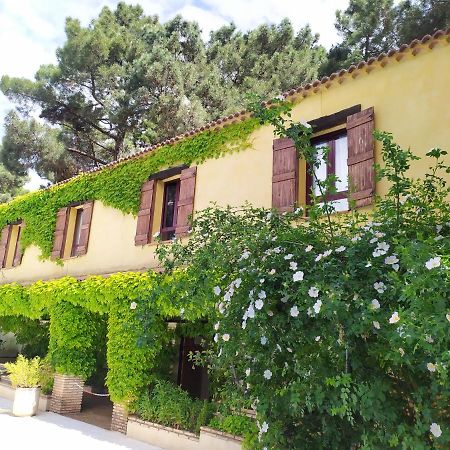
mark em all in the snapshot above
pixel 25 376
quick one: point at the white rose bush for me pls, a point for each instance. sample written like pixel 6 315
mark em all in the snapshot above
pixel 334 329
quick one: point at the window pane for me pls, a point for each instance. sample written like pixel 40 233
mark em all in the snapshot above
pixel 77 231
pixel 341 152
pixel 169 205
pixel 321 171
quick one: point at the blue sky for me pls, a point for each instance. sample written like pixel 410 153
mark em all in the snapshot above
pixel 31 30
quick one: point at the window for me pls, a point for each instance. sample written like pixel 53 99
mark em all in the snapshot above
pixel 167 203
pixel 170 207
pixel 72 230
pixel 10 248
pixel 336 164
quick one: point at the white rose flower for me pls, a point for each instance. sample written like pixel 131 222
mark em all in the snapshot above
pixel 383 246
pixel 308 248
pixel 267 374
pixel 298 276
pixel 289 349
pixel 317 338
pixel 433 263
pixel 327 253
pixel 216 290
pixel 133 305
pixel 391 259
pixel 435 430
pixel 226 337
pixel 263 340
pixel 313 292
pixel 340 249
pixel 318 257
pixel 216 337
pixel 376 324
pixel 395 267
pixel 245 255
pixel 216 326
pixel 294 312
pixel 247 372
pixel 272 272
pixel 262 294
pixel 251 312
pixel 379 286
pixel 259 304
pixel 317 306
pixel 270 313
pixel 264 427
pixel 293 265
pixel 375 304
pixel 394 318
pixel 431 367
pixel 288 257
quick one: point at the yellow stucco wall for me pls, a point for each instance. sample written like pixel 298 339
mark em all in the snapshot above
pixel 410 98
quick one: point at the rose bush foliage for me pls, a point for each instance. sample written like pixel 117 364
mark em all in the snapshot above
pixel 335 328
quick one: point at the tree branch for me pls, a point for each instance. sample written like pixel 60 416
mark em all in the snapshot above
pixel 86 155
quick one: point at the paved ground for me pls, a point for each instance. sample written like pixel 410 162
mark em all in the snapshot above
pixel 48 431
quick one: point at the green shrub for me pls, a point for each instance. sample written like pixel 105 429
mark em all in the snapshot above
pixel 46 377
pixel 335 329
pixel 171 406
pixel 25 373
pixel 237 425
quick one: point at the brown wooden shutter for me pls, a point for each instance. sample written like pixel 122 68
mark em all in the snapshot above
pixel 285 175
pixel 85 228
pixel 361 158
pixel 185 200
pixel 4 240
pixel 59 238
pixel 145 215
pixel 18 253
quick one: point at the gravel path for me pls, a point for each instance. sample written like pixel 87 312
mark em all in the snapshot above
pixel 48 431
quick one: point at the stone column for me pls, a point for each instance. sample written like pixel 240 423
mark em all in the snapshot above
pixel 119 418
pixel 67 394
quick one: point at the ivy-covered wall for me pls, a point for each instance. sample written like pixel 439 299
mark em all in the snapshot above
pixel 118 186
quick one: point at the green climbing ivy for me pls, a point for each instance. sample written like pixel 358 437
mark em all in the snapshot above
pixel 74 307
pixel 118 186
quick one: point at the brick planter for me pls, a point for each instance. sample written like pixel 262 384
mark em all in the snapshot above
pixel 67 394
pixel 119 419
